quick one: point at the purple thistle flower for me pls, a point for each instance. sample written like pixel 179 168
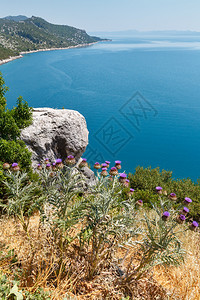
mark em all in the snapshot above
pixel 54 166
pixel 158 188
pixel 70 160
pixel 139 203
pixel 113 171
pixel 118 162
pixel 39 167
pixel 122 175
pixel 58 161
pixel 104 172
pixel 131 192
pixel 166 214
pixel 83 163
pixel 187 201
pixel 185 209
pixel 104 165
pixel 70 157
pixel 126 183
pixel 97 165
pixel 195 224
pixel 14 165
pixel 46 159
pixel 107 162
pixel 182 217
pixel 173 195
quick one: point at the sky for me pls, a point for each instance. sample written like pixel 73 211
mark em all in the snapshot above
pixel 111 15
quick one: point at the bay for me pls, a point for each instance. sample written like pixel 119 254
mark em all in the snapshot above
pixel 140 97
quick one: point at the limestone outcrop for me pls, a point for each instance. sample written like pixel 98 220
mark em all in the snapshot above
pixel 55 133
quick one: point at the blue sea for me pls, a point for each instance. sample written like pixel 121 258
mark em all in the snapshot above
pixel 140 97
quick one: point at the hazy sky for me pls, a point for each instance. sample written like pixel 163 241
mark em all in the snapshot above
pixel 109 15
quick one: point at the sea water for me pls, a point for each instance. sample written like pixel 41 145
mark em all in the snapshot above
pixel 140 97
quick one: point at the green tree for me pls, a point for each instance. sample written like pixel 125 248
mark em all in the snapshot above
pixel 12 149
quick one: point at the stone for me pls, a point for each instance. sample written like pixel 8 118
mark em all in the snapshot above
pixel 55 133
pixel 89 176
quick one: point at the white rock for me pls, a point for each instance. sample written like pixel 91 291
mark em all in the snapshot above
pixel 55 133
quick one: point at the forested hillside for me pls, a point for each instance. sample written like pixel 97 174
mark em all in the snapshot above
pixel 35 33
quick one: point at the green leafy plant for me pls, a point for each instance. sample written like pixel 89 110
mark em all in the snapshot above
pixel 22 113
pixel 12 149
pixel 106 225
pixel 144 181
pixel 159 244
pixel 62 208
pixel 39 294
pixel 22 200
pixel 9 289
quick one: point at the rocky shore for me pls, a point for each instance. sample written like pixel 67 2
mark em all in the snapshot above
pixel 4 61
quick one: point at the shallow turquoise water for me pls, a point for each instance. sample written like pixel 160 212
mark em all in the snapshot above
pixel 140 97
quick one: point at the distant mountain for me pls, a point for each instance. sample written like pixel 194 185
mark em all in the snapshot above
pixel 148 33
pixel 16 18
pixel 35 33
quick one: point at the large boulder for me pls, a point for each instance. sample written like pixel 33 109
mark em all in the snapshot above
pixel 55 133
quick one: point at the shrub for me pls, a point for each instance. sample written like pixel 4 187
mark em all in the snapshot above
pixel 15 151
pixel 22 113
pixel 12 149
pixel 144 182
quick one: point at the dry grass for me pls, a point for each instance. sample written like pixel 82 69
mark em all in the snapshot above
pixel 39 269
pixel 183 282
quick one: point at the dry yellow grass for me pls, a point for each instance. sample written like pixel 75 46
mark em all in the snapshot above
pixel 180 283
pixel 183 282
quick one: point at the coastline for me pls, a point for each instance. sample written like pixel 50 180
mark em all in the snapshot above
pixel 4 61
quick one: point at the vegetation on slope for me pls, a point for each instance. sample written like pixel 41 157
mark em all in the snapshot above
pixel 35 33
pixel 11 122
pixel 95 243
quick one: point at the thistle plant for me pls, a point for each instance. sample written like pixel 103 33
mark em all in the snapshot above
pixel 106 224
pixel 66 206
pixel 159 244
pixel 22 197
pixel 62 209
